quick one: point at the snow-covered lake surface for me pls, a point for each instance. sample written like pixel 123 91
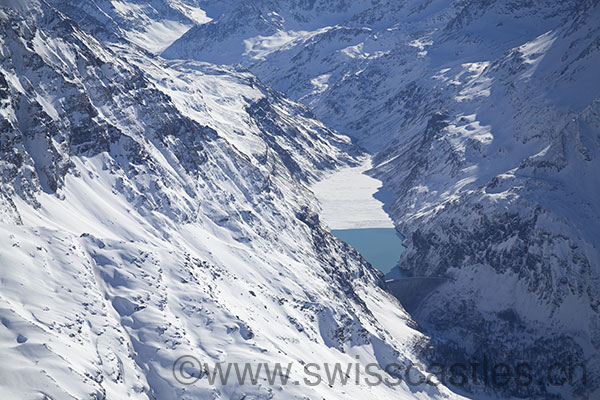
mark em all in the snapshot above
pixel 353 207
pixel 351 199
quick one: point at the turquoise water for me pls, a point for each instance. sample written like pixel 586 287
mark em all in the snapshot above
pixel 381 247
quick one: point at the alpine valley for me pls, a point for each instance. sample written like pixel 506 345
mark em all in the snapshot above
pixel 156 165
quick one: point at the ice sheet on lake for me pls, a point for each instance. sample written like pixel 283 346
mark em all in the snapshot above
pixel 347 200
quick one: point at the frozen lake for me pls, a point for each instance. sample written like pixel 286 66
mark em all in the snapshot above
pixel 354 208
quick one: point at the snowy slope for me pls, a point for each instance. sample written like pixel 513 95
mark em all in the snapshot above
pixel 151 210
pixel 152 25
pixel 499 191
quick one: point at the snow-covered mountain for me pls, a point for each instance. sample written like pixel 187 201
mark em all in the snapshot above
pixel 484 120
pixel 156 206
pixel 151 210
pixel 150 24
